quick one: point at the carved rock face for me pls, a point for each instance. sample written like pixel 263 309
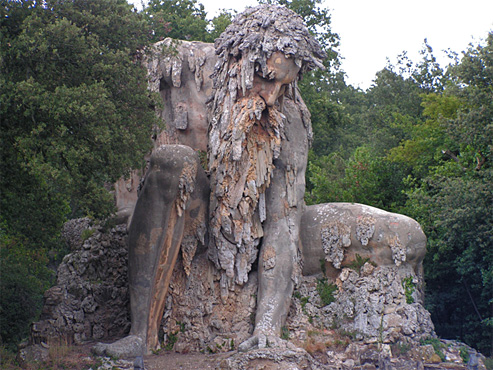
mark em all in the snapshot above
pixel 281 72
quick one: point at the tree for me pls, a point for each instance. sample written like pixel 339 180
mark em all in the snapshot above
pixel 178 19
pixel 453 199
pixel 75 115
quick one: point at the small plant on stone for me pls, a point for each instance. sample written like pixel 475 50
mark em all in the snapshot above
pixel 172 339
pixel 204 162
pixel 322 266
pixel 181 325
pixel 437 346
pixel 109 224
pixel 326 291
pixel 358 263
pixel 464 354
pixel 284 333
pixel 348 334
pixel 304 301
pixel 409 288
pixel 401 348
pixel 86 234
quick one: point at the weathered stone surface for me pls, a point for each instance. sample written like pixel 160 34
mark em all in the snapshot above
pixel 72 231
pixel 90 298
pixel 36 353
pixel 179 71
pixel 172 208
pixel 198 319
pixel 271 359
pixel 372 308
pixel 127 347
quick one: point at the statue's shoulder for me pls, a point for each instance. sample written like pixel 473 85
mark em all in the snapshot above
pixel 180 72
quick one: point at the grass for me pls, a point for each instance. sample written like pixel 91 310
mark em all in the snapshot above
pixel 60 356
pixel 359 262
pixel 437 346
pixel 326 291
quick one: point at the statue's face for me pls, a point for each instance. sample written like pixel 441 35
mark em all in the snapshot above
pixel 282 71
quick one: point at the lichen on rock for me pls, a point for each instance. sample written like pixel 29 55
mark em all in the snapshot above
pixel 365 228
pixel 335 237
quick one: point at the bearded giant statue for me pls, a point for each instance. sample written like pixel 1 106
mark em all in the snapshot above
pixel 235 109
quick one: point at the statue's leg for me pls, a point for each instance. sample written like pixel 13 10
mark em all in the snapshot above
pixel 155 235
pixel 278 265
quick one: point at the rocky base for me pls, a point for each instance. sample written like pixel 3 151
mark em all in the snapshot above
pixel 90 299
pixel 440 354
pixel 359 356
pixel 367 318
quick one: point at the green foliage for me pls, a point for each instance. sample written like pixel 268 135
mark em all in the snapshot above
pixel 218 24
pixel 453 202
pixel 409 288
pixel 359 262
pixel 304 301
pixel 401 348
pixel 184 20
pixel 419 142
pixel 75 115
pixel 437 346
pixel 464 354
pixel 87 233
pixel 326 291
pixel 24 278
pixel 172 339
pixel 363 178
pixel 284 333
pixel 75 97
pixel 178 19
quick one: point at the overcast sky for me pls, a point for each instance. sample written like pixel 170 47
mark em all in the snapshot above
pixel 372 31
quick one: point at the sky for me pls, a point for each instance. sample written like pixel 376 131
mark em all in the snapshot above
pixel 373 31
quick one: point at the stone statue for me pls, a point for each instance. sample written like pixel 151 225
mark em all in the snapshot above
pixel 240 103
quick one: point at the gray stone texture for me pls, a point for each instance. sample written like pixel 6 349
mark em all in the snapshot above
pixel 90 298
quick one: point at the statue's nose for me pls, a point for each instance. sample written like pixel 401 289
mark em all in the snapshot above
pixel 271 92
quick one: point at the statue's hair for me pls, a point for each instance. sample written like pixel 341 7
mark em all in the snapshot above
pixel 260 31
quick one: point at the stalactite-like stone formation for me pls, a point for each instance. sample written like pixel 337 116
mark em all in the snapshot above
pixel 242 163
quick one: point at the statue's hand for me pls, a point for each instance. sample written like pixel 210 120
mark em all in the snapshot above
pixel 262 340
pixel 249 344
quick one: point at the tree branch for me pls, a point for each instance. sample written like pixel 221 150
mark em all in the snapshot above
pixel 454 157
pixel 481 159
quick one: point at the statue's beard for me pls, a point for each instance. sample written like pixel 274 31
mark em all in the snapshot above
pixel 241 171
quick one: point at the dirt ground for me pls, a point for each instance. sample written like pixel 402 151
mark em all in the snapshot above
pixel 191 361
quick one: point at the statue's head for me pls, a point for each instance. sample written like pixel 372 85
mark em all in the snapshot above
pixel 264 51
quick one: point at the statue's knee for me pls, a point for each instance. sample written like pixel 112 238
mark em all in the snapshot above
pixel 173 158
